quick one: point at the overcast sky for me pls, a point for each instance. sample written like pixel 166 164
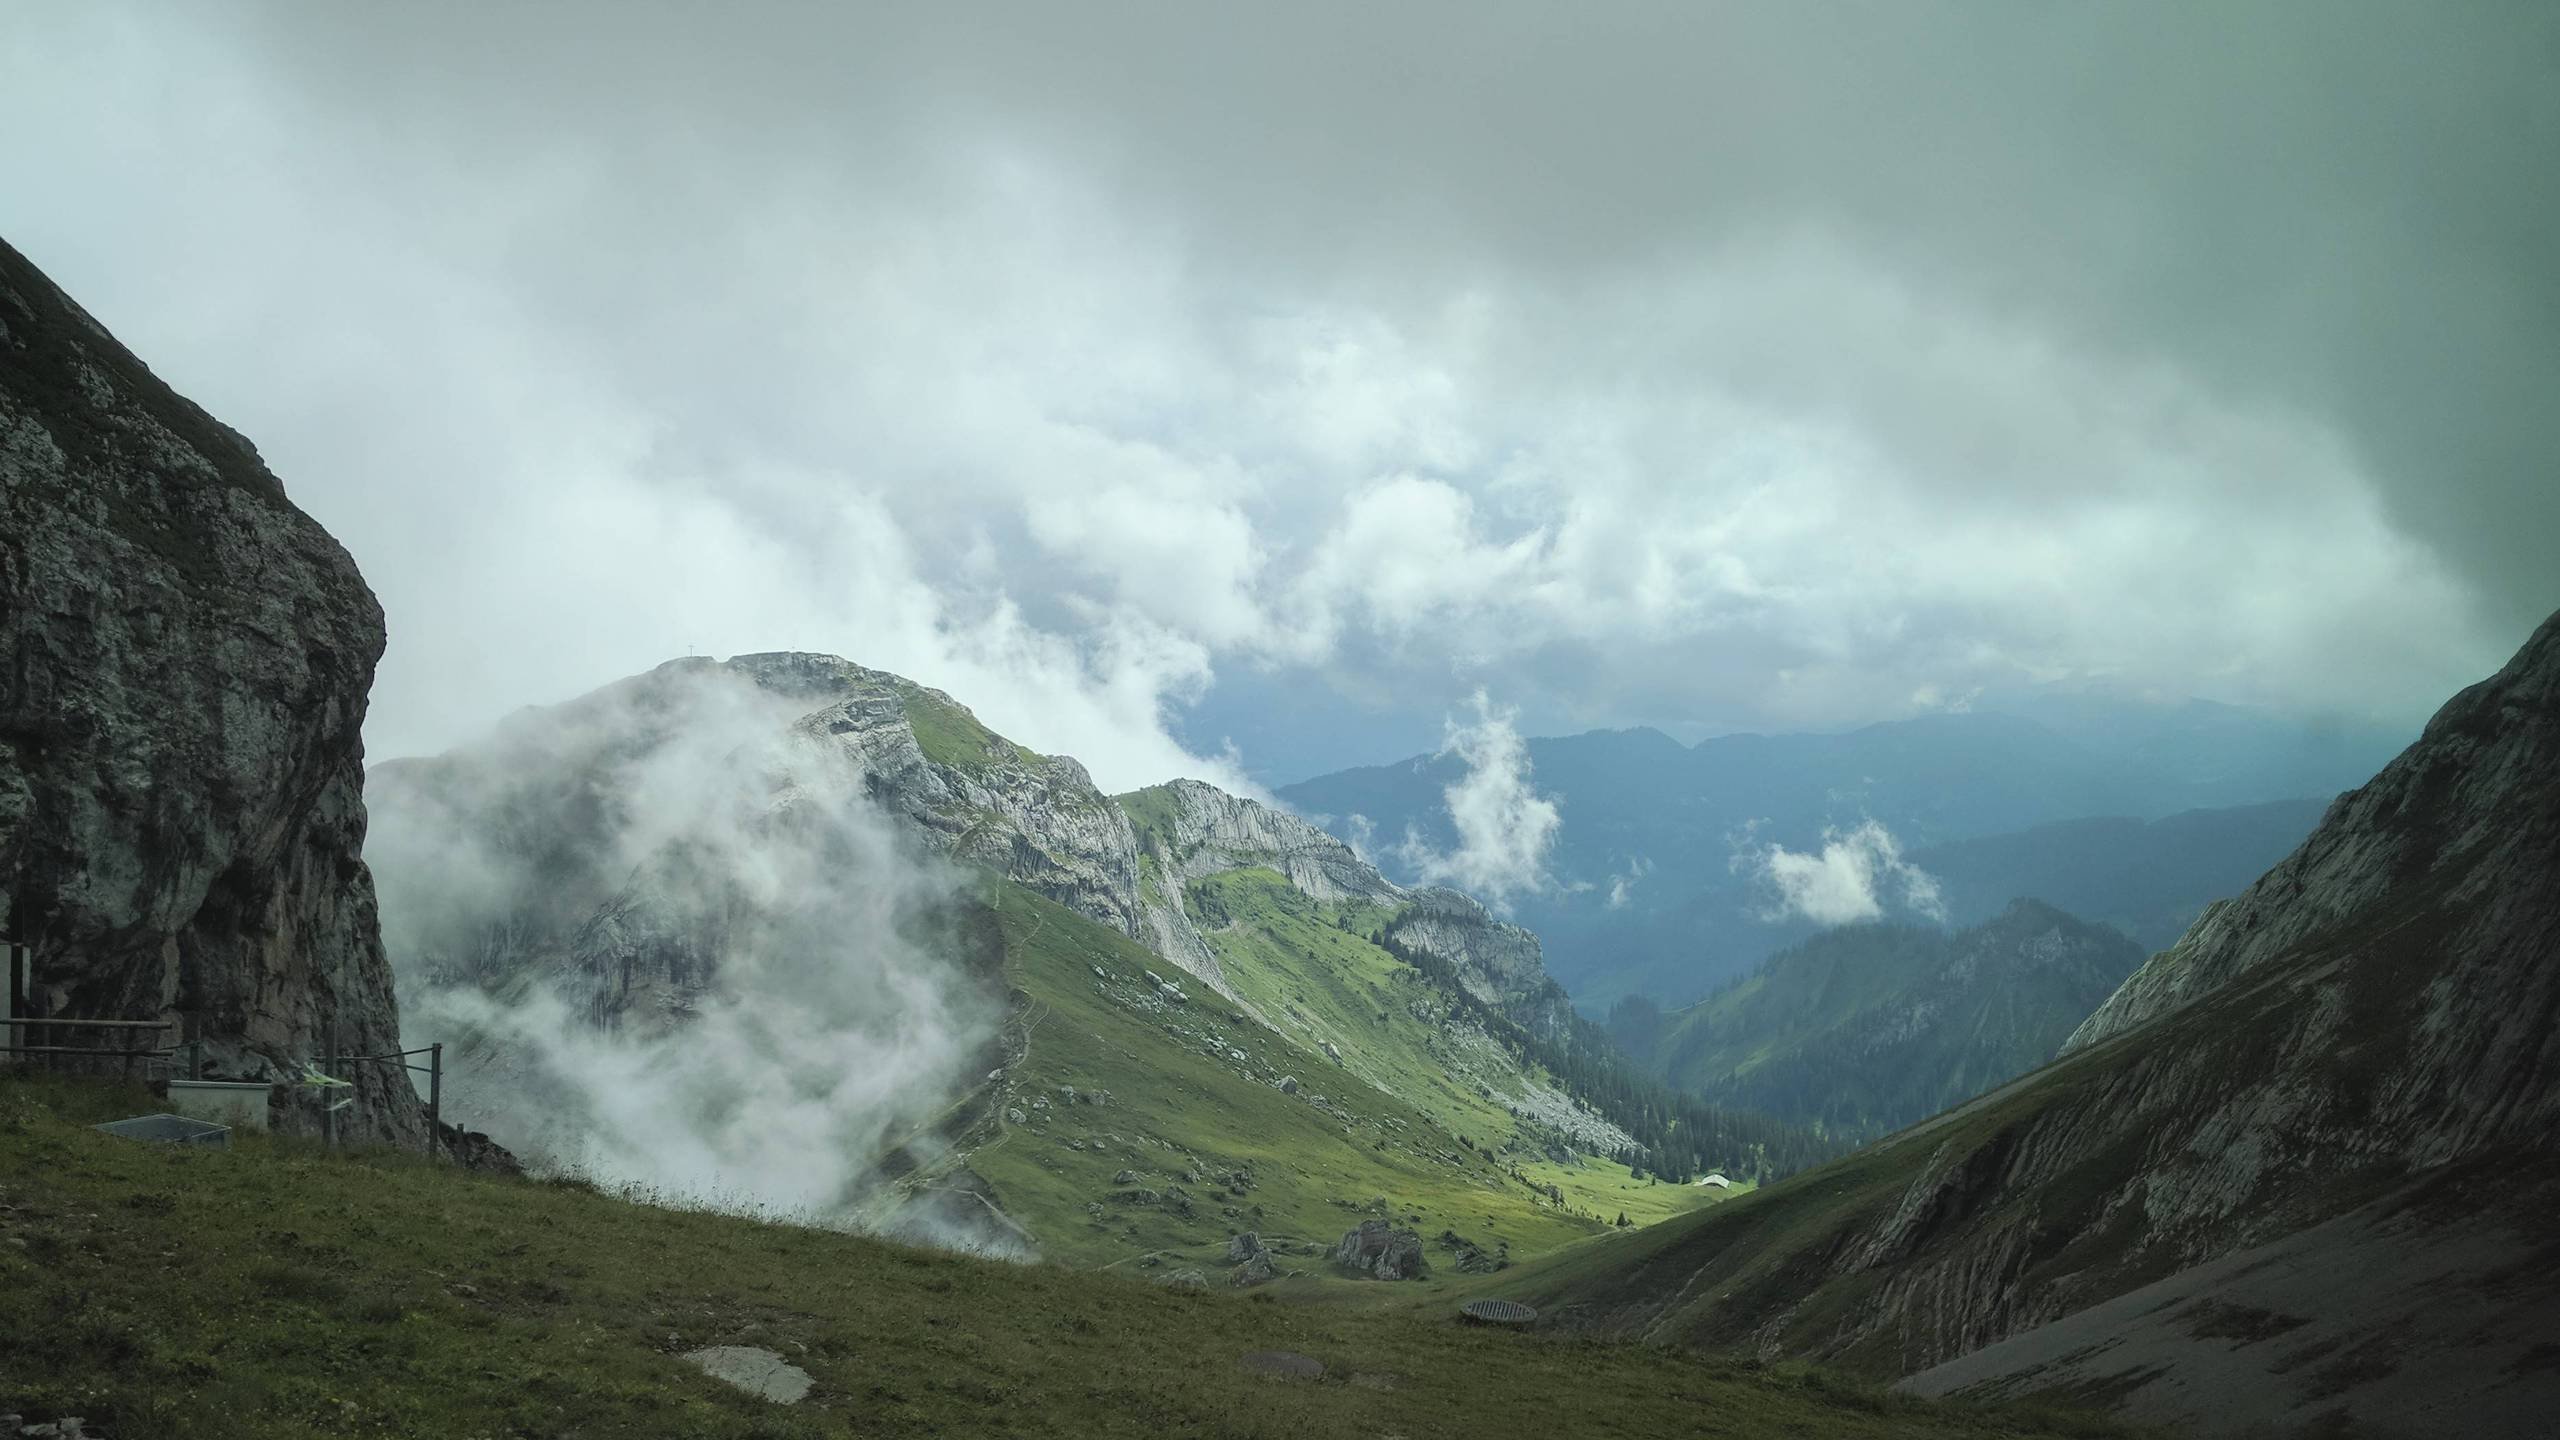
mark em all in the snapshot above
pixel 1140 373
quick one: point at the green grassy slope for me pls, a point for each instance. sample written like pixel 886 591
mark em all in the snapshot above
pixel 950 735
pixel 1313 970
pixel 277 1291
pixel 1187 1121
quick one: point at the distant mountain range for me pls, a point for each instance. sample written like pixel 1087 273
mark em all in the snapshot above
pixel 1868 1028
pixel 1646 896
pixel 2149 879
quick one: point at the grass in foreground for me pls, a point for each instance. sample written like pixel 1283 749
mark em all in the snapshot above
pixel 275 1290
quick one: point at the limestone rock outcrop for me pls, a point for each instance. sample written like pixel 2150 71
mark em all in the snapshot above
pixel 1498 963
pixel 1381 1250
pixel 1190 831
pixel 186 658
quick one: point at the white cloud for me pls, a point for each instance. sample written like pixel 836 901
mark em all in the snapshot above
pixel 1504 826
pixel 1857 875
pixel 1622 885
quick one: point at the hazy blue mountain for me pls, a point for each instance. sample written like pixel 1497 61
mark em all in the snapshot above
pixel 1649 899
pixel 1868 1028
pixel 2149 879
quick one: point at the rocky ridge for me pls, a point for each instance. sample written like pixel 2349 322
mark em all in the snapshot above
pixel 187 656
pixel 1498 963
pixel 1189 831
pixel 1194 830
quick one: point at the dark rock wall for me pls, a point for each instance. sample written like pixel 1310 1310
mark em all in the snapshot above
pixel 184 660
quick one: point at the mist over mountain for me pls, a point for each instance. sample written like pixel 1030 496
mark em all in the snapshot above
pixel 786 934
pixel 1655 884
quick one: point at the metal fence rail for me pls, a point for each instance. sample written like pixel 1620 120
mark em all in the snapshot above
pixel 18 1024
pixel 24 1034
pixel 433 1070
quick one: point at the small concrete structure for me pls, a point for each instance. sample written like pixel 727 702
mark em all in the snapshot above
pixel 240 1104
pixel 172 1129
pixel 1718 1181
pixel 756 1371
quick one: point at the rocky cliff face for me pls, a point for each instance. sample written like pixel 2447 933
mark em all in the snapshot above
pixel 1498 963
pixel 2464 815
pixel 2368 1031
pixel 187 657
pixel 1190 831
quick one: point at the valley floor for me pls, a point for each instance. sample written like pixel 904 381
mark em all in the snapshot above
pixel 277 1290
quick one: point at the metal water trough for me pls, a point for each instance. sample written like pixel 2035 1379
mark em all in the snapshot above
pixel 172 1129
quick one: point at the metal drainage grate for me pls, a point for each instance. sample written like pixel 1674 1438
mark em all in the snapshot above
pixel 1498 1312
pixel 174 1129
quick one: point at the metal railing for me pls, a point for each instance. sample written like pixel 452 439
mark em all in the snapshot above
pixel 433 1070
pixel 16 1027
pixel 19 1025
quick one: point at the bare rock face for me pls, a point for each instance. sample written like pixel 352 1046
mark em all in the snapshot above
pixel 1190 831
pixel 1209 831
pixel 181 762
pixel 1381 1251
pixel 1498 963
pixel 2466 809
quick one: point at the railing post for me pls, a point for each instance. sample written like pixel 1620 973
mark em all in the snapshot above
pixel 435 1099
pixel 17 993
pixel 328 1110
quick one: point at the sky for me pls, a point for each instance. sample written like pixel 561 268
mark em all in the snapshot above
pixel 1244 391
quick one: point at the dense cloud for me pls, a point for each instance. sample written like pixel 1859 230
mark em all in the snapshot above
pixel 679 947
pixel 1701 365
pixel 1505 829
pixel 1858 874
